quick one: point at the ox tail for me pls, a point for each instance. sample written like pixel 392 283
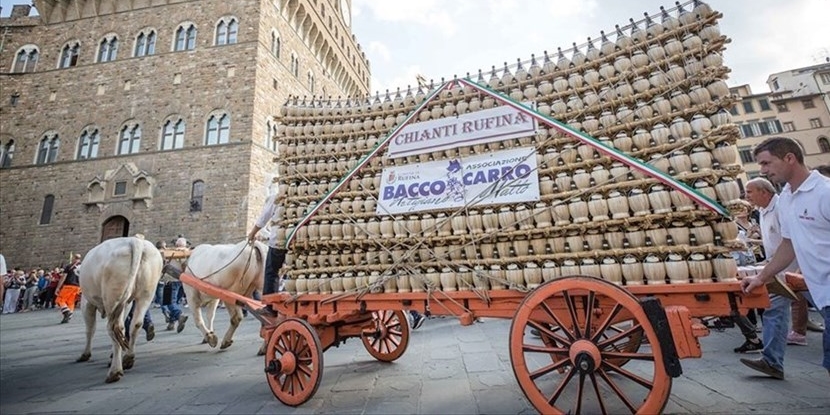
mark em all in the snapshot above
pixel 137 251
pixel 113 324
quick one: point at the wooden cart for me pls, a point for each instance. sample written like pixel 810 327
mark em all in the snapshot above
pixel 647 117
pixel 602 347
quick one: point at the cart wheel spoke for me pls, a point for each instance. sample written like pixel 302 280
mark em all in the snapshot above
pixel 388 336
pixel 550 368
pixel 393 342
pixel 569 301
pixel 628 356
pixel 558 323
pixel 579 391
pixel 619 336
pixel 605 326
pixel 547 333
pixel 637 379
pixel 589 312
pixel 562 384
pixel 374 341
pixel 617 390
pixel 600 399
pixel 544 349
pixel 280 346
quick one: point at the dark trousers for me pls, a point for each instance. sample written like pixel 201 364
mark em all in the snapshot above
pixel 46 296
pixel 169 301
pixel 276 257
pixel 148 321
pixel 746 325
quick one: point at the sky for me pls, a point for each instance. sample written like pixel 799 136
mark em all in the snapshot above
pixel 442 38
pixel 439 38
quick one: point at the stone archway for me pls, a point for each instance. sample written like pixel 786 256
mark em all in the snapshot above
pixel 115 227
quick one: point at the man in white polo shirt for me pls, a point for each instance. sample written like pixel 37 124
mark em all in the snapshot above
pixel 805 226
pixel 761 193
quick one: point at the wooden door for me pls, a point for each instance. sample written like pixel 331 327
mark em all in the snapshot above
pixel 115 227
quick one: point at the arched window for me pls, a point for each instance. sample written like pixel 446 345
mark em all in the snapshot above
pixel 130 141
pixel 197 194
pixel 226 31
pixel 271 135
pixel 276 44
pixel 108 49
pixel 26 59
pixel 823 145
pixel 218 129
pixel 88 144
pixel 185 37
pixel 48 149
pixel 295 65
pixel 46 213
pixel 172 136
pixel 7 154
pixel 145 43
pixel 311 82
pixel 69 55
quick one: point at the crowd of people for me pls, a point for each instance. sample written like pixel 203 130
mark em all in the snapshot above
pixel 29 291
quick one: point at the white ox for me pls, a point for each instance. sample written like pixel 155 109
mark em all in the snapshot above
pixel 237 268
pixel 113 275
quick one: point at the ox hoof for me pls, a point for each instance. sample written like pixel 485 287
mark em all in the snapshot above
pixel 212 340
pixel 260 352
pixel 226 344
pixel 128 361
pixel 84 357
pixel 114 377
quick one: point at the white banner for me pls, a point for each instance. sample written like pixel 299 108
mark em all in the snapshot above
pixel 507 176
pixel 485 126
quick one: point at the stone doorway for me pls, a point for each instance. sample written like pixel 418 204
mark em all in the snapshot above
pixel 115 227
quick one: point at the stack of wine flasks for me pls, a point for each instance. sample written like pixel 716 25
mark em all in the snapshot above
pixel 653 89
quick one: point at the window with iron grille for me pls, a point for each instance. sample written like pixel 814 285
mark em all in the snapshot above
pixel 197 194
pixel 46 211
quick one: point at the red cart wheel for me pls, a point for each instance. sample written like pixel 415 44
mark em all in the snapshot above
pixel 576 367
pixel 294 362
pixel 388 340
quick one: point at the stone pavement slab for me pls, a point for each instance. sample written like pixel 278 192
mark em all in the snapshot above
pixel 447 368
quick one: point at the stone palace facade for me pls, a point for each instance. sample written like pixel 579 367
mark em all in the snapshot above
pixel 154 116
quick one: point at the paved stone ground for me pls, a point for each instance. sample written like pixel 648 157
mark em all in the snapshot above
pixel 447 369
